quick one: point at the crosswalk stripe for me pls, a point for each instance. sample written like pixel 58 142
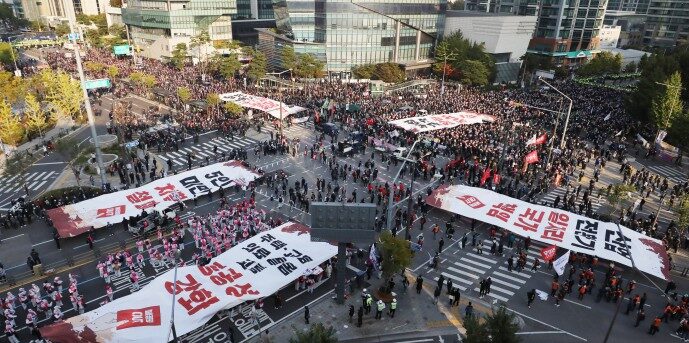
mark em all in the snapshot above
pixel 509 277
pixel 515 272
pixel 30 186
pixel 483 258
pixel 39 175
pixel 11 179
pixel 476 263
pixel 455 278
pixel 50 173
pixel 501 290
pixel 493 295
pixel 37 187
pixel 165 159
pixel 462 288
pixel 462 272
pixel 469 268
pixel 504 283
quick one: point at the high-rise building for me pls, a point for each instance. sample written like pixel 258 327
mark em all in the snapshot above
pixel 252 14
pixel 347 33
pixel 637 6
pixel 520 7
pixel 156 27
pixel 667 23
pixel 567 30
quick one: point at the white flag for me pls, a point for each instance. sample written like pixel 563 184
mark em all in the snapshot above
pixel 606 117
pixel 531 140
pixel 619 133
pixel 373 256
pixel 559 264
pixel 542 295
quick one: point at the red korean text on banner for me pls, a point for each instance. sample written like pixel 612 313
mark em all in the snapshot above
pixel 542 139
pixel 548 253
pixel 131 318
pixel 531 157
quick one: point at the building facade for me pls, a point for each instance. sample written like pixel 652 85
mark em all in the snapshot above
pixel 504 36
pixel 609 36
pixel 568 30
pixel 636 6
pixel 667 24
pixel 345 34
pixel 156 27
pixel 631 27
pixel 519 7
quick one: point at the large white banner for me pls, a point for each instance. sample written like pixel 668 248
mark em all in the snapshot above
pixel 255 268
pixel 276 109
pixel 554 226
pixel 75 219
pixel 441 121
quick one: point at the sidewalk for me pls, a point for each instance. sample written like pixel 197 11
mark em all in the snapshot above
pixel 416 315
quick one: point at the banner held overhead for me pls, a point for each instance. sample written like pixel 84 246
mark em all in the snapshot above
pixel 277 109
pixel 441 121
pixel 558 227
pixel 73 220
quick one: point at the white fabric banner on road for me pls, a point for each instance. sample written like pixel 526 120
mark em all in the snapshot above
pixel 561 262
pixel 73 220
pixel 255 268
pixel 441 121
pixel 269 106
pixel 554 226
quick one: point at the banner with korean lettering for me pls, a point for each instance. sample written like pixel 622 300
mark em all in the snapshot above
pixel 441 121
pixel 276 109
pixel 554 226
pixel 73 220
pixel 255 268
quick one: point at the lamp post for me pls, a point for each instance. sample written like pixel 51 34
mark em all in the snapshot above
pixel 87 101
pixel 569 111
pixel 390 197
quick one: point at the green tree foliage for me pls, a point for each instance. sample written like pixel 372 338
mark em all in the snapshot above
pixel 62 29
pixel 630 68
pixel 682 210
pixel 668 102
pixel 501 326
pixel 227 66
pixel 473 73
pixel 6 55
pixel 475 331
pixel 257 66
pixel 604 63
pixel 118 30
pixel 11 87
pixel 364 71
pixel 113 72
pixel 395 253
pixel 184 94
pixel 389 72
pixel 308 66
pixel 533 62
pixel 453 52
pixel 62 92
pixel 35 119
pixel 654 69
pixel 199 43
pixel 317 333
pixel 288 58
pixel 179 55
pixel 233 109
pixel 11 128
pixel 619 194
pixel 7 17
pixel 212 100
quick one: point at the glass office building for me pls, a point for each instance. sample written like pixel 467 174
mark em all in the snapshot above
pixel 349 33
pixel 158 26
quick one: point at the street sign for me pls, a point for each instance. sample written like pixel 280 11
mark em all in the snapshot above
pixel 131 144
pixel 73 36
pixel 122 50
pixel 98 83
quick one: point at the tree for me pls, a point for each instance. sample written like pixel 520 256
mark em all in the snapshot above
pixel 228 66
pixel 116 3
pixel 630 67
pixel 148 81
pixel 317 333
pixel 473 73
pixel 62 29
pixel 364 71
pixel 118 30
pixel 212 101
pixel 395 253
pixel 35 119
pixel 179 55
pixel 668 103
pixel 603 63
pixel 455 50
pixel 184 94
pixel 619 193
pixel 501 326
pixel 113 72
pixel 682 210
pixel 11 129
pixel 94 67
pixel 288 57
pixel 389 72
pixel 475 331
pixel 8 54
pixel 257 66
pixel 62 92
pixel 309 66
pixel 655 69
pixel 12 88
pixel 233 109
pixel 199 41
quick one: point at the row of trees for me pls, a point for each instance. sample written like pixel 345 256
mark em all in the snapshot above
pixel 302 65
pixel 32 105
pixel 661 94
pixel 387 72
pixel 461 59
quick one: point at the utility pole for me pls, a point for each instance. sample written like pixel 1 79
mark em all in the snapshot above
pixel 82 79
pixel 569 111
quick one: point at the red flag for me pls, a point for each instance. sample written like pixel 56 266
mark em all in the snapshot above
pixel 485 176
pixel 531 157
pixel 548 253
pixel 496 179
pixel 542 139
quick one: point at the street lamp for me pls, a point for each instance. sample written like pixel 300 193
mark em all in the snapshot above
pixel 569 111
pixel 82 78
pixel 442 84
pixel 390 198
